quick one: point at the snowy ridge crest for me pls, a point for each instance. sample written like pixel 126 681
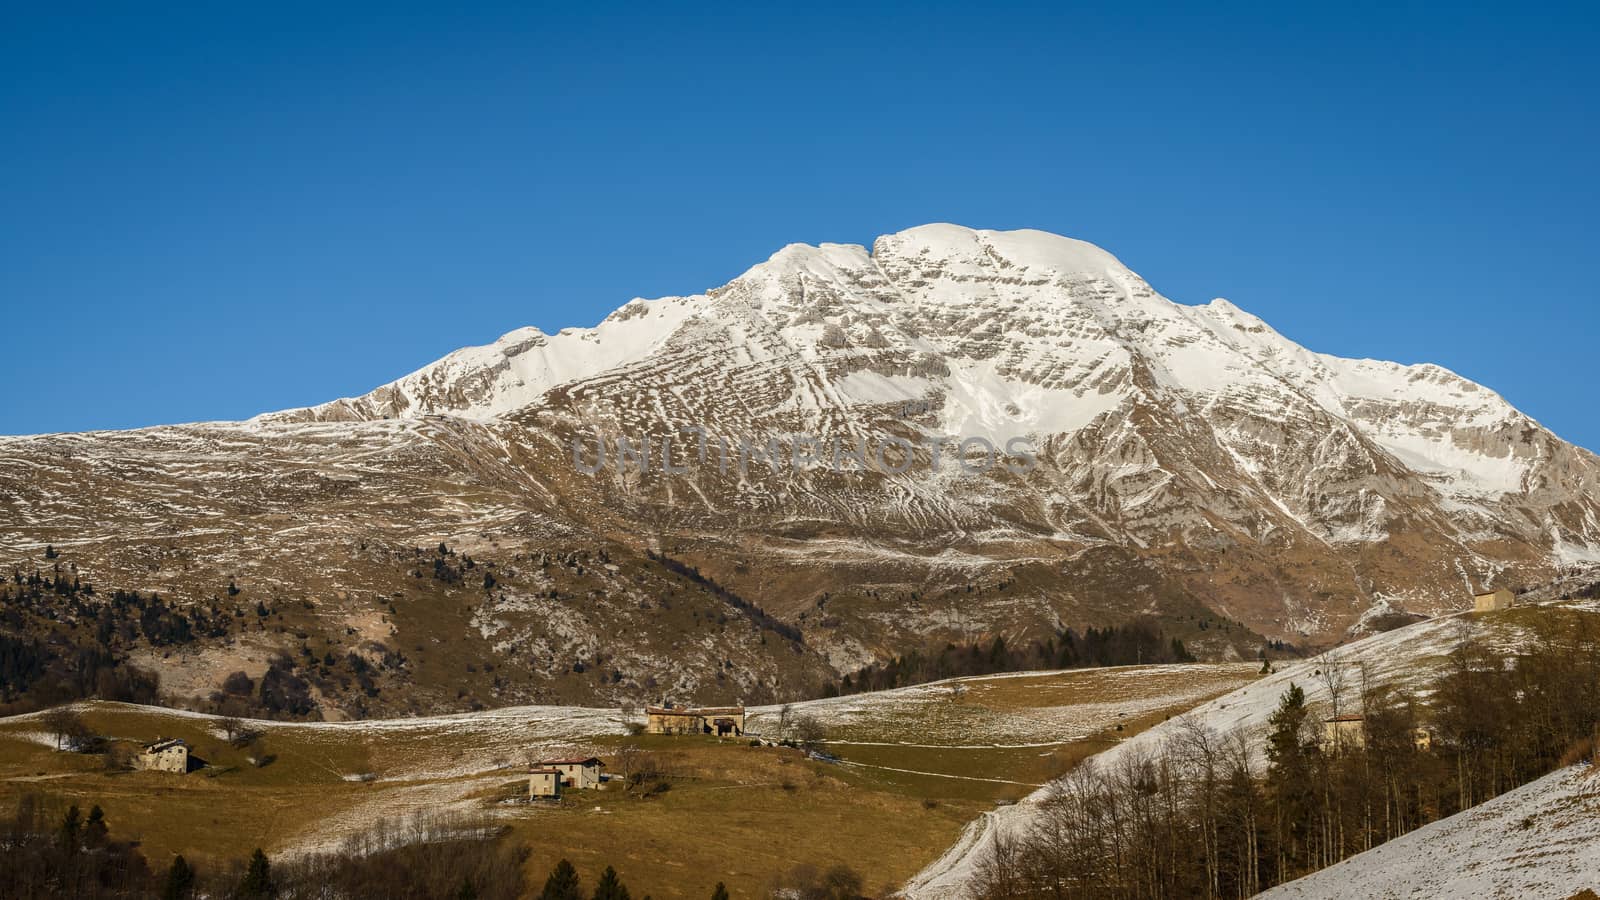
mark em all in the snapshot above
pixel 1013 332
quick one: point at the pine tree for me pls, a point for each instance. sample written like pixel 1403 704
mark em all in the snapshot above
pixel 1284 745
pixel 180 881
pixel 1289 779
pixel 610 887
pixel 71 825
pixel 94 831
pixel 258 877
pixel 721 893
pixel 1180 653
pixel 562 883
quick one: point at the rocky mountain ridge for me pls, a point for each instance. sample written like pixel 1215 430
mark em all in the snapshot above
pixel 1193 465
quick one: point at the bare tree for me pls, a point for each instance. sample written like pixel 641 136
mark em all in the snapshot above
pixel 628 758
pixel 231 727
pixel 809 733
pixel 63 722
pixel 1201 750
pixel 71 732
pixel 1333 672
pixel 1000 871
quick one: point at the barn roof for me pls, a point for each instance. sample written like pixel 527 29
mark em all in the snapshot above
pixel 697 711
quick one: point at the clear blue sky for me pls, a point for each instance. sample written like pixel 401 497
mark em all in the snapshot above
pixel 209 214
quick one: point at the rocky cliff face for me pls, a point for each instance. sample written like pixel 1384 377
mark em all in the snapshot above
pixel 1180 461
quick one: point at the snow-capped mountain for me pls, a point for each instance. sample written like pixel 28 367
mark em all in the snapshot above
pixel 1162 421
pixel 1191 460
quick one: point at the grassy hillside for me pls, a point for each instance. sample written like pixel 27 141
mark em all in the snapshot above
pixel 729 812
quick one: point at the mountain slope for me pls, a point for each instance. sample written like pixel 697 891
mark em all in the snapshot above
pixel 1192 465
pixel 1541 840
pixel 1188 430
pixel 1413 657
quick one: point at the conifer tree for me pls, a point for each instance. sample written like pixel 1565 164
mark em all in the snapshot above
pixel 562 883
pixel 610 886
pixel 257 877
pixel 180 881
pixel 71 826
pixel 94 830
pixel 1289 778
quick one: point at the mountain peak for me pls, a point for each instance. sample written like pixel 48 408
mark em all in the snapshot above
pixel 952 249
pixel 1025 248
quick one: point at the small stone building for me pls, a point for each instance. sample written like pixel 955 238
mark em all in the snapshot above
pixel 1422 738
pixel 1499 598
pixel 164 756
pixel 722 721
pixel 1344 732
pixel 544 783
pixel 1348 732
pixel 581 772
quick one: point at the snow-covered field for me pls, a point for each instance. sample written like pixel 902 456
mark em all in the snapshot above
pixel 1541 840
pixel 1021 709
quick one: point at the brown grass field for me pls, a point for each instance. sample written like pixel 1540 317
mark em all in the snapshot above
pixel 734 813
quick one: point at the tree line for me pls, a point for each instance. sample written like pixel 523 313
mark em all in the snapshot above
pixel 1215 815
pixel 1135 643
pixel 60 641
pixel 47 851
pixel 761 617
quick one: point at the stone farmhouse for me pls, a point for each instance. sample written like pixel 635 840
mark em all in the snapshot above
pixel 580 772
pixel 164 756
pixel 722 721
pixel 544 783
pixel 1499 598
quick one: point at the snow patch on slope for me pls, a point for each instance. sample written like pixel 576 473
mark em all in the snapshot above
pixel 1411 656
pixel 1541 840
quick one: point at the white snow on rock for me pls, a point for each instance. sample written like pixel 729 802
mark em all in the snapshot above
pixel 1026 334
pixel 514 371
